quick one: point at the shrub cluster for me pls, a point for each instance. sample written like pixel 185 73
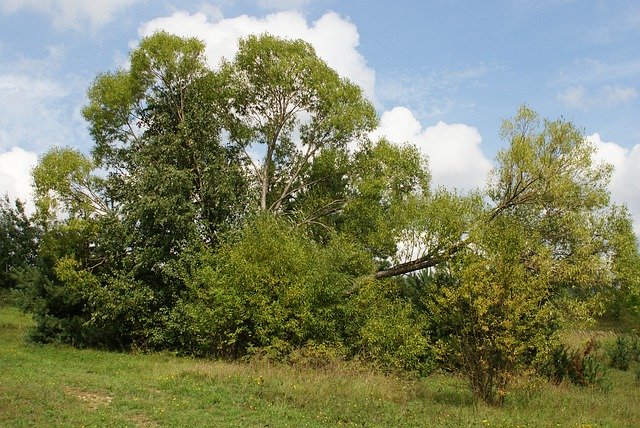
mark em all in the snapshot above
pixel 578 366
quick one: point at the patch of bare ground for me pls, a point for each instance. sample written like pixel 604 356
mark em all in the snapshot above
pixel 143 421
pixel 93 399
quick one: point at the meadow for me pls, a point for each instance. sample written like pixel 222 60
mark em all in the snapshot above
pixel 53 385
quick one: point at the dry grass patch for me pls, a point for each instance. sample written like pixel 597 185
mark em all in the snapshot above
pixel 93 399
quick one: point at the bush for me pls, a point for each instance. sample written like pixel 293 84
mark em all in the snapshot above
pixel 490 321
pixel 18 241
pixel 272 289
pixel 619 354
pixel 317 356
pixel 578 366
pixel 393 335
pixel 79 295
pixel 275 293
pixel 622 352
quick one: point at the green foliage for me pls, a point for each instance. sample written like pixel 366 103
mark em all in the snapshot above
pixel 624 351
pixel 387 185
pixel 18 241
pixel 491 317
pixel 578 366
pixel 183 241
pixel 275 292
pixel 280 94
pixel 623 298
pixel 506 275
pixel 271 289
pixel 65 186
pixel 392 333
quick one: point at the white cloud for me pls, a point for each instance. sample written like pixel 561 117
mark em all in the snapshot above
pixel 614 95
pixel 15 175
pixel 625 180
pixel 335 39
pixel 455 157
pixel 33 113
pixel 70 13
pixel 578 97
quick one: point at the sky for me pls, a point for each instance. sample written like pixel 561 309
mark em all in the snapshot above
pixel 441 74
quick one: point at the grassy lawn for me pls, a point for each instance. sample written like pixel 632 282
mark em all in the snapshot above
pixel 50 385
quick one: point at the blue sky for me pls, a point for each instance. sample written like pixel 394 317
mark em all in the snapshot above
pixel 442 74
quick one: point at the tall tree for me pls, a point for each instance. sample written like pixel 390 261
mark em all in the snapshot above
pixel 157 132
pixel 287 105
pixel 504 274
pixel 545 178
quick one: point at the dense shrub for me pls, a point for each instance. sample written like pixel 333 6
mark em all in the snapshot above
pixel 275 292
pixel 578 366
pixel 18 241
pixel 393 334
pixel 82 294
pixel 623 351
pixel 490 316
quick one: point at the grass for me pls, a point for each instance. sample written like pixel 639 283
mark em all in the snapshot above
pixel 52 385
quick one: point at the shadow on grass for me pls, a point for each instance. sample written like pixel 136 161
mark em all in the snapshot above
pixel 456 398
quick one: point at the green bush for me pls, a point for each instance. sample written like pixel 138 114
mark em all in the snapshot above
pixel 271 289
pixel 79 295
pixel 393 335
pixel 274 292
pixel 18 241
pixel 490 321
pixel 619 354
pixel 578 366
pixel 624 351
pixel 317 356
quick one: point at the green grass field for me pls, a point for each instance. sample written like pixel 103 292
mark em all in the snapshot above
pixel 50 385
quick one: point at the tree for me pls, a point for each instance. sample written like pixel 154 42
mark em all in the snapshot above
pixel 280 95
pixel 157 132
pixel 18 240
pixel 160 183
pixel 548 248
pixel 66 186
pixel 174 236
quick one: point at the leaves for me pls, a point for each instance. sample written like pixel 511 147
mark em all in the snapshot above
pixel 281 95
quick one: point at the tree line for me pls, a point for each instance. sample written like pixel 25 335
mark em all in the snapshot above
pixel 243 209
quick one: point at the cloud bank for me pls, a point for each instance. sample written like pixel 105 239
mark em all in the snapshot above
pixel 455 156
pixel 625 180
pixel 15 175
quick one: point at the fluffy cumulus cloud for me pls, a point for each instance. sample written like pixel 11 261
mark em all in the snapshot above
pixel 15 174
pixel 625 181
pixel 335 39
pixel 455 157
pixel 70 13
pixel 580 98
